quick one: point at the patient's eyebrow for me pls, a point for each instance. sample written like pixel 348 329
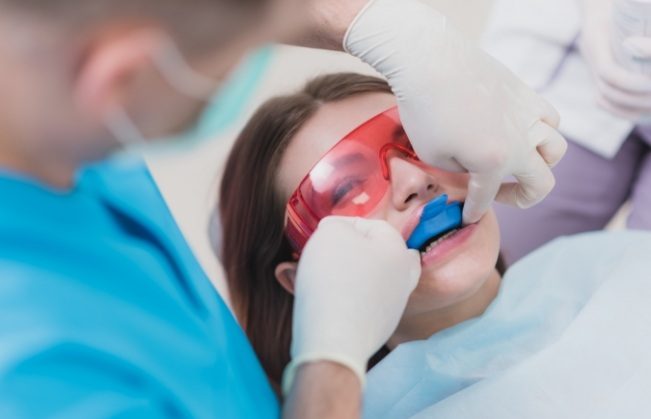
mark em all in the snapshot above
pixel 349 159
pixel 398 134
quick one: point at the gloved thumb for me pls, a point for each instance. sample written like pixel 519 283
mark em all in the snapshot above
pixel 549 114
pixel 415 268
pixel 482 189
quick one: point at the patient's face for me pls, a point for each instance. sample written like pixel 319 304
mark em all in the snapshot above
pixel 454 269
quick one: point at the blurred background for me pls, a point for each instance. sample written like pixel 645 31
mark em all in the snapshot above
pixel 189 181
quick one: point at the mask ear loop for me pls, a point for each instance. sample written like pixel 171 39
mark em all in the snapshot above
pixel 123 128
pixel 177 72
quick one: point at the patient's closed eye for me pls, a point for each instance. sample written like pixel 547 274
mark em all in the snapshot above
pixel 344 189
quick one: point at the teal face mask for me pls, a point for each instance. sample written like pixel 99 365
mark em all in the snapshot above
pixel 222 109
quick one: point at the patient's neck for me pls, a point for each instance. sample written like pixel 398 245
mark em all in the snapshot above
pixel 424 325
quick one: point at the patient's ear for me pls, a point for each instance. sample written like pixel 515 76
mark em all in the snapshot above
pixel 286 275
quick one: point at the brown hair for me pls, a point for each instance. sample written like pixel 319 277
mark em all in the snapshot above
pixel 253 212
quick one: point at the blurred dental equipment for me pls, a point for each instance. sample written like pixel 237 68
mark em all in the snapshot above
pixel 631 24
pixel 564 49
pixel 612 39
pixel 539 41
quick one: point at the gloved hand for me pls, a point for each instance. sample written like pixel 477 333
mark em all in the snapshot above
pixel 352 285
pixel 462 109
pixel 623 92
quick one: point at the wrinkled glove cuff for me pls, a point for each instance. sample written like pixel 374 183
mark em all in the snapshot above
pixel 290 372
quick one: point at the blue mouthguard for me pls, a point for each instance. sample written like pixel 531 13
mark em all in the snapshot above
pixel 437 218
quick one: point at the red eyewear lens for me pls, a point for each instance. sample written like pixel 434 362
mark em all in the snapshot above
pixel 351 179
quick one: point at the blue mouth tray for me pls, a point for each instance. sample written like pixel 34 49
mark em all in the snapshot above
pixel 437 218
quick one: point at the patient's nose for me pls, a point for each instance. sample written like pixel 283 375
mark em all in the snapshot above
pixel 410 185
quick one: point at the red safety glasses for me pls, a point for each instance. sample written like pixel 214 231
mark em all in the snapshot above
pixel 351 179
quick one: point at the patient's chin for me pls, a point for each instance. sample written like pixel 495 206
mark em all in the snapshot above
pixel 452 283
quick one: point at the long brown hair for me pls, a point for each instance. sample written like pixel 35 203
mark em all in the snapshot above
pixel 253 212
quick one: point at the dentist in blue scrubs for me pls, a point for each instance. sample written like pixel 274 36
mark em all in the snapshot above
pixel 104 310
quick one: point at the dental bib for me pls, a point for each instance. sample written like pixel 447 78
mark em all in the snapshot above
pixel 566 337
pixel 438 217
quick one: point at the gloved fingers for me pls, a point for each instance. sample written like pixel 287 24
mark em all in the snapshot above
pixel 482 189
pixel 414 255
pixel 532 186
pixel 551 145
pixel 620 111
pixel 368 228
pixel 414 270
pixel 379 230
pixel 449 165
pixel 336 221
pixel 549 114
pixel 595 46
pixel 617 76
pixel 638 47
pixel 623 98
pixel 352 224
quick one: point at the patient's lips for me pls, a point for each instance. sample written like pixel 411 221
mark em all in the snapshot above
pixel 436 228
pixel 448 246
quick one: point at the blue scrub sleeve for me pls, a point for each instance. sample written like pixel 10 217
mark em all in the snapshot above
pixel 53 364
pixel 70 380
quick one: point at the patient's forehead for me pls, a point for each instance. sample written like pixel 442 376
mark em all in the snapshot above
pixel 325 129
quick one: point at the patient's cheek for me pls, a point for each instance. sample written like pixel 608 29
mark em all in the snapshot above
pixel 493 231
pixel 467 271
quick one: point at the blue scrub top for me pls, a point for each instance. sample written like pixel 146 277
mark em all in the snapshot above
pixel 107 313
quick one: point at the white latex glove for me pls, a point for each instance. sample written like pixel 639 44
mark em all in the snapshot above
pixel 462 109
pixel 353 282
pixel 623 92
